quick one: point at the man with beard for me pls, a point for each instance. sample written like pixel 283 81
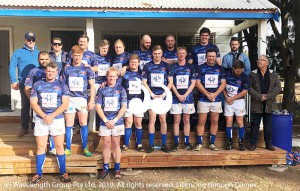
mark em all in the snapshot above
pixel 144 53
pixel 170 53
pixel 234 55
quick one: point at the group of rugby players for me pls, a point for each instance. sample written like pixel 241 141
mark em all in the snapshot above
pixel 108 83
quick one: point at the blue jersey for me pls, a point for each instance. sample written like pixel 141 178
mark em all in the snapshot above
pixel 182 77
pixel 170 55
pixel 35 75
pixel 157 73
pixel 111 100
pixel 119 61
pixel 89 58
pixel 49 95
pixel 210 77
pixel 144 56
pixel 77 80
pixel 131 85
pixel 198 53
pixel 236 84
pixel 104 63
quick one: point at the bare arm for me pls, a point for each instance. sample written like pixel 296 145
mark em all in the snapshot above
pixel 92 94
pixel 27 90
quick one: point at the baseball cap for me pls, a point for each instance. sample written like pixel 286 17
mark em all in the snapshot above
pixel 29 35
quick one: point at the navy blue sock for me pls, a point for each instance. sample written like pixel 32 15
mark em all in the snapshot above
pixel 212 139
pixel 51 143
pixel 105 167
pixel 117 166
pixel 163 139
pixel 127 136
pixel 241 132
pixel 69 136
pixel 151 138
pixel 176 139
pixel 84 135
pixel 199 139
pixel 138 135
pixel 229 132
pixel 61 160
pixel 40 160
pixel 186 139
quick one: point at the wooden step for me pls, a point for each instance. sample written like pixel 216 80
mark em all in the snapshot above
pixel 26 164
pixel 13 148
pixel 221 140
pixel 10 119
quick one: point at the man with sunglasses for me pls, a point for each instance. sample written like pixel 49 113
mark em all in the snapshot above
pixel 234 55
pixel 23 60
pixel 58 55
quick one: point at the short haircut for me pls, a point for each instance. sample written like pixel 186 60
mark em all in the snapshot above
pixel 234 39
pixel 104 42
pixel 56 38
pixel 84 36
pixel 112 69
pixel 43 53
pixel 211 50
pixel 181 48
pixel 134 56
pixel 52 65
pixel 238 64
pixel 76 49
pixel 170 35
pixel 157 47
pixel 205 30
pixel 119 41
pixel 267 58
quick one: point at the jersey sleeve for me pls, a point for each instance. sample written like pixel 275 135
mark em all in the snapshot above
pixel 29 79
pixel 145 71
pixel 33 92
pixel 218 51
pixel 90 74
pixel 123 96
pixel 193 72
pixel 98 98
pixel 65 89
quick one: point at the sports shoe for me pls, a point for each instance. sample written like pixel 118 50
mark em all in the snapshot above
pixel 140 148
pixel 22 132
pixel 175 147
pixel 124 148
pixel 229 145
pixel 188 146
pixel 36 178
pixel 102 174
pixel 252 148
pixel 52 152
pixel 65 178
pixel 86 152
pixel 270 147
pixel 242 146
pixel 150 149
pixel 165 148
pixel 198 147
pixel 68 152
pixel 118 174
pixel 213 147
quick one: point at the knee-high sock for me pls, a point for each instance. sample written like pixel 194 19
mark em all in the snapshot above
pixel 69 136
pixel 84 135
pixel 51 143
pixel 138 135
pixel 127 136
pixel 151 138
pixel 229 132
pixel 241 132
pixel 61 160
pixel 40 160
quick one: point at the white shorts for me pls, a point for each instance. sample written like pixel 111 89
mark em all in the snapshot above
pixel 129 114
pixel 54 129
pixel 238 108
pixel 116 131
pixel 205 107
pixel 77 104
pixel 180 108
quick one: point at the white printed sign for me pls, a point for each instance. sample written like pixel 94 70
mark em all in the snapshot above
pixel 49 100
pixel 182 81
pixel 201 59
pixel 211 80
pixel 157 79
pixel 76 83
pixel 231 90
pixel 134 87
pixel 110 103
pixel 102 69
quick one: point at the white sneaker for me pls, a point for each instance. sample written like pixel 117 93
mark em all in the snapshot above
pixel 52 152
pixel 198 147
pixel 213 147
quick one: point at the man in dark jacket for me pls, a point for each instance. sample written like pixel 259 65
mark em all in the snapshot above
pixel 58 55
pixel 264 87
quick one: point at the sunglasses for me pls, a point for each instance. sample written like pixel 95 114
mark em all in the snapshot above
pixel 56 44
pixel 31 40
